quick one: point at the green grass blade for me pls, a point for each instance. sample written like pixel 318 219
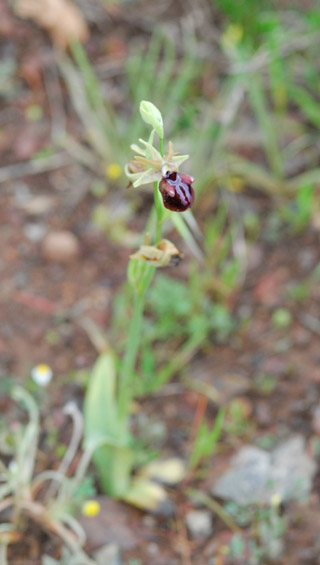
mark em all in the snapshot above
pixel 101 422
pixel 264 117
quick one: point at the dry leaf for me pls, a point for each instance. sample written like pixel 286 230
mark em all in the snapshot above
pixel 167 472
pixel 60 18
pixel 147 495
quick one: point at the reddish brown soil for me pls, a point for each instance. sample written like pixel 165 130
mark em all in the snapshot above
pixel 40 299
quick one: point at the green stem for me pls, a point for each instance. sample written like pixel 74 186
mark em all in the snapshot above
pixel 134 333
pixel 186 353
pixel 3 554
pixel 161 146
pixel 133 342
pixel 158 203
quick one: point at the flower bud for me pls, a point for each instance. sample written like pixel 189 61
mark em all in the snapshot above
pixel 177 192
pixel 151 115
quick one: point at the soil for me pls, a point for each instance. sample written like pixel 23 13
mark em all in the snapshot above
pixel 43 305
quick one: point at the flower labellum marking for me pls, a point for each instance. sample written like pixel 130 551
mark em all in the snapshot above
pixel 177 191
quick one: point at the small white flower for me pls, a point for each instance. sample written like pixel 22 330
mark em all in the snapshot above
pixel 41 374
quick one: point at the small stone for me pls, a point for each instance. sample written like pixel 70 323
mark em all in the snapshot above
pixel 153 549
pixel 38 205
pixel 108 554
pixel 21 279
pixel 35 232
pixel 199 523
pixel 149 521
pixel 60 247
pixel 306 258
pixel 255 474
pixel 21 193
pixel 301 337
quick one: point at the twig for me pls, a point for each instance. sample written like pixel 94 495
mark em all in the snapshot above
pixel 95 334
pixel 80 153
pixel 199 416
pixel 34 167
pixel 6 503
pixel 55 100
pixel 310 322
pixel 207 390
pixel 40 515
pixel 213 505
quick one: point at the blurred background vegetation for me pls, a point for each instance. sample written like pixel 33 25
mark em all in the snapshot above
pixel 238 85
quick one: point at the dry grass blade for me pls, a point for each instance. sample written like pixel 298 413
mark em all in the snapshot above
pixel 19 170
pixel 213 505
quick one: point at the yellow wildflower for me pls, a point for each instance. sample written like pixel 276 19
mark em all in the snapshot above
pixel 90 508
pixel 113 171
pixel 232 36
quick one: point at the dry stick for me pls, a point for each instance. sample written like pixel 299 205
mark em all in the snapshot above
pixel 34 167
pixel 55 100
pixel 215 507
pixel 199 416
pixel 6 503
pixel 80 153
pixel 40 515
pixel 183 544
pixel 310 322
pixel 208 390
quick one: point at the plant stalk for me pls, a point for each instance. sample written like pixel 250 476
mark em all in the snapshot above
pixel 158 203
pixel 134 334
pixel 133 342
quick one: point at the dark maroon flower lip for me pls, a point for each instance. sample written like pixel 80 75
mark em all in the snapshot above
pixel 177 191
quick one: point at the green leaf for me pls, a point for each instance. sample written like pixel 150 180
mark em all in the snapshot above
pixel 100 406
pixel 103 427
pixel 206 439
pixel 308 104
pixel 27 447
pixel 114 466
pixel 186 234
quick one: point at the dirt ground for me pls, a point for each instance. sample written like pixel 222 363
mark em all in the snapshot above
pixel 43 304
